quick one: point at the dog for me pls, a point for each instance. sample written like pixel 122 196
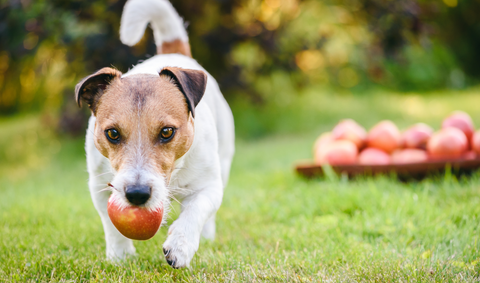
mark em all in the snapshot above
pixel 161 131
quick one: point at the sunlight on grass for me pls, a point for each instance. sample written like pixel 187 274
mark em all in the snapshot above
pixel 272 226
pixel 319 108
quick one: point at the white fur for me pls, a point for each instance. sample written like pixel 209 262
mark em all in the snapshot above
pixel 164 20
pixel 200 175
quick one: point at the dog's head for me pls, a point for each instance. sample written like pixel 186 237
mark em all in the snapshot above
pixel 144 123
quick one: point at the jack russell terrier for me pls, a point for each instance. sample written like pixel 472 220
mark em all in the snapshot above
pixel 163 130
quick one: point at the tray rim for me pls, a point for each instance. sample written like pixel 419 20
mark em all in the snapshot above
pixel 415 170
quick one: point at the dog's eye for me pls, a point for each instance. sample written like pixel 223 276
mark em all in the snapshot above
pixel 112 135
pixel 167 133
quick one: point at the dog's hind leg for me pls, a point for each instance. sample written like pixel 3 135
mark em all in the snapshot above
pixel 208 231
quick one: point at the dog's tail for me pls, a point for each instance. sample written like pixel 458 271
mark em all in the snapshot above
pixel 168 28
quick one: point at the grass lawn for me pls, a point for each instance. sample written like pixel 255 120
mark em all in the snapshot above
pixel 272 226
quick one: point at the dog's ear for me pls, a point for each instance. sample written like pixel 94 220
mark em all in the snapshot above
pixel 192 84
pixel 91 88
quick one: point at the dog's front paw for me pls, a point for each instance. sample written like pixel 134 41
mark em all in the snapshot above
pixel 179 248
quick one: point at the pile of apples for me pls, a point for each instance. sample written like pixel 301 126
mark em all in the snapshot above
pixel 349 143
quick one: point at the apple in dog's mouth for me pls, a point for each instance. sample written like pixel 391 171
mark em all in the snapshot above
pixel 134 222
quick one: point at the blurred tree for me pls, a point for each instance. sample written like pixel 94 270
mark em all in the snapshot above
pixel 46 46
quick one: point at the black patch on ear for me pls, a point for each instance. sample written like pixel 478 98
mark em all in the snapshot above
pixel 192 83
pixel 91 88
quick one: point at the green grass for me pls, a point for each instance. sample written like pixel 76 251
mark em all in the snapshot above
pixel 273 225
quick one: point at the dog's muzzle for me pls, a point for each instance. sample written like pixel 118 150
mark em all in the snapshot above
pixel 138 194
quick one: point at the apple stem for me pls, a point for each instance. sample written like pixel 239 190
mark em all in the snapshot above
pixel 110 185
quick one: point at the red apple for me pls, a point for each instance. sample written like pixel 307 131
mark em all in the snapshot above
pixel 470 155
pixel 460 120
pixel 322 141
pixel 348 129
pixel 475 142
pixel 341 152
pixel 417 136
pixel 373 156
pixel 134 222
pixel 409 155
pixel 385 136
pixel 448 143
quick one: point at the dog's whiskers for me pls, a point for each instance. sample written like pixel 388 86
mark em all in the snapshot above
pixel 105 189
pixel 110 185
pixel 172 197
pixel 183 191
pixel 93 133
pixel 101 174
pixel 175 199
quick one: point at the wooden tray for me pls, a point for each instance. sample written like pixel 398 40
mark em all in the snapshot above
pixel 403 171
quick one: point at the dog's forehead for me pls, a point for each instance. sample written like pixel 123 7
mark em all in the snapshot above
pixel 145 94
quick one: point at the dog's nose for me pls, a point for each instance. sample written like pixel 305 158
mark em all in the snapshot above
pixel 138 194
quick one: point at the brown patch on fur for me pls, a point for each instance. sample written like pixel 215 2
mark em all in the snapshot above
pixel 176 46
pixel 138 107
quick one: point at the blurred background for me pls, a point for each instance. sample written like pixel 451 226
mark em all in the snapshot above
pixel 290 70
pixel 285 66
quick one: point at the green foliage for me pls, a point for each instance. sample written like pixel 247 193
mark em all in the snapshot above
pixel 47 46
